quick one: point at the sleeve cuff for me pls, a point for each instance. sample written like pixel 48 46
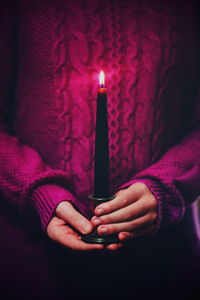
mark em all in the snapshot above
pixel 46 198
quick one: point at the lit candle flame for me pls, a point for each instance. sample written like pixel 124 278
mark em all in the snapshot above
pixel 102 79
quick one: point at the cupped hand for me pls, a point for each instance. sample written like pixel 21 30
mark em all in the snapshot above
pixel 67 225
pixel 131 214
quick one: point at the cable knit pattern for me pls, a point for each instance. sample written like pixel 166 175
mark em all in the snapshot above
pixel 125 35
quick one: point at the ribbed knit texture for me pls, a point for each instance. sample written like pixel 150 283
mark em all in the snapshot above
pixel 50 55
pixel 47 197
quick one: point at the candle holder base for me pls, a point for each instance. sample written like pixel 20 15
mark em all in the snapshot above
pixel 94 237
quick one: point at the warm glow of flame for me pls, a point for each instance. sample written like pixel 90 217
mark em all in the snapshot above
pixel 102 79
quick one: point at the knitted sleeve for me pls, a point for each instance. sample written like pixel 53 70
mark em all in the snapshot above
pixel 25 180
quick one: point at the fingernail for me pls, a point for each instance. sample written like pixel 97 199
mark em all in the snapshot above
pixel 86 228
pixel 104 230
pixel 124 236
pixel 96 221
pixel 100 210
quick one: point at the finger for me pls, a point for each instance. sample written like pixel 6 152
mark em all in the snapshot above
pixel 130 212
pixel 65 236
pixel 114 246
pixel 120 192
pixel 126 226
pixel 124 236
pixel 121 200
pixel 71 216
pixel 124 198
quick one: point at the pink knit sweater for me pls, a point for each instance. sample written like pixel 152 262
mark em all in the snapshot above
pixel 50 55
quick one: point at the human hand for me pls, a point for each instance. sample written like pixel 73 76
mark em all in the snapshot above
pixel 132 213
pixel 66 225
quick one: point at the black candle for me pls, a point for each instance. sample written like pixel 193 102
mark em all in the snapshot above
pixel 101 163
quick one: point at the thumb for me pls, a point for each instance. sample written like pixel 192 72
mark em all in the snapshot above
pixel 71 216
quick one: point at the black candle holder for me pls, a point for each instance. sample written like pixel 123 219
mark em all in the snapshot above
pixel 94 237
